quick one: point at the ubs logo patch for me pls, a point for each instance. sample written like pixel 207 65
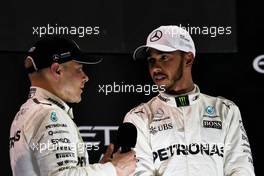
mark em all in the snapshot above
pixel 212 124
pixel 163 127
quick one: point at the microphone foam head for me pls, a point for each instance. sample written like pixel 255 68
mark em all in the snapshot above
pixel 127 135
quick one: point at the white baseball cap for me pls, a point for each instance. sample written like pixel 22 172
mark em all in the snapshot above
pixel 166 39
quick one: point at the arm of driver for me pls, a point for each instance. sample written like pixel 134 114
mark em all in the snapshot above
pixel 238 159
pixel 59 153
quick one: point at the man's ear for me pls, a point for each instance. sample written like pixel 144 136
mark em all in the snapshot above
pixel 55 69
pixel 28 62
pixel 189 59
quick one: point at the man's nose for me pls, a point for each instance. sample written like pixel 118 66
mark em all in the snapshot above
pixel 86 78
pixel 156 67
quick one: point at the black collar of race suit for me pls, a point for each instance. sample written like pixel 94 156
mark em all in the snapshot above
pixel 181 100
pixel 56 103
pixel 42 96
pixel 39 94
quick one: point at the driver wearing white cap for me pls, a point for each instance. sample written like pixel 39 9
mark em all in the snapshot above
pixel 183 132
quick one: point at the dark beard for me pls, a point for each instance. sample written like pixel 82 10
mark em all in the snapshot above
pixel 176 78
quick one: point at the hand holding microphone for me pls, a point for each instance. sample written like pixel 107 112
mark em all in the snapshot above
pixel 126 137
pixel 123 160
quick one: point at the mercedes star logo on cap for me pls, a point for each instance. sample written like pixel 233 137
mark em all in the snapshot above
pixel 156 35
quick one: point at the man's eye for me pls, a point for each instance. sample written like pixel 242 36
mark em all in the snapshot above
pixel 151 60
pixel 164 57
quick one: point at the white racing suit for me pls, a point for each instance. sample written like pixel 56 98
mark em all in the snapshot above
pixel 45 141
pixel 190 135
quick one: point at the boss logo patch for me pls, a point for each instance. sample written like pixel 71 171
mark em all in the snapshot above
pixel 212 124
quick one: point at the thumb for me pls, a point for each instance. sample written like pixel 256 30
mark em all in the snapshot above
pixel 108 154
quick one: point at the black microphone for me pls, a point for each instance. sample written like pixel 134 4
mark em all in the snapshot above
pixel 126 137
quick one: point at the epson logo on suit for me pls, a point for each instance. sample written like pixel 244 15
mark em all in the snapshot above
pixel 212 124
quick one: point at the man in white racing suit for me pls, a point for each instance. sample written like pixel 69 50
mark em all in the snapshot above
pixel 44 140
pixel 182 132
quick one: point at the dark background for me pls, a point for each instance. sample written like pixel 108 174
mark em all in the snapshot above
pixel 223 66
pixel 123 25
